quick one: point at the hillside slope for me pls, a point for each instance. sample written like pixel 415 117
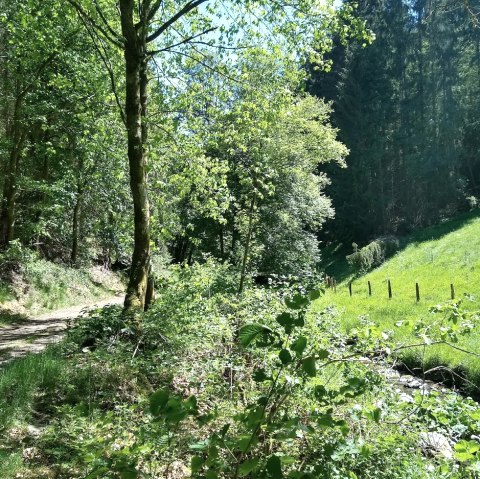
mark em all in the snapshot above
pixel 434 258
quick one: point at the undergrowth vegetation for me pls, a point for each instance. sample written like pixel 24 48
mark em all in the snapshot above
pixel 29 282
pixel 212 384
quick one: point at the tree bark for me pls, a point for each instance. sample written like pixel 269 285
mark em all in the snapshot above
pixel 77 211
pixel 222 244
pixel 7 214
pixel 246 252
pixel 134 50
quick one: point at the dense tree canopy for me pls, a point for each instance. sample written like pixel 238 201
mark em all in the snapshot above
pixel 223 147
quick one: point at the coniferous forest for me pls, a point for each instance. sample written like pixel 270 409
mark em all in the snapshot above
pixel 239 239
pixel 407 109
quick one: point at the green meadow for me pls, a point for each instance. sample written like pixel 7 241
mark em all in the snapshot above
pixel 434 258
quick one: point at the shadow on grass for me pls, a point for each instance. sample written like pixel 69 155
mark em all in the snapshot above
pixel 335 264
pixel 457 378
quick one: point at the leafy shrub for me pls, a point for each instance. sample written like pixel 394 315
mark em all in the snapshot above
pixel 287 420
pixel 374 254
pixel 103 324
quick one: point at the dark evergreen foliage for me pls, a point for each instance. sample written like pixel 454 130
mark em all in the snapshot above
pixel 408 109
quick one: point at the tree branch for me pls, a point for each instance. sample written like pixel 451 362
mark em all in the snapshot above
pixel 105 21
pixel 83 14
pixel 153 10
pixel 185 40
pixel 186 9
pixel 104 57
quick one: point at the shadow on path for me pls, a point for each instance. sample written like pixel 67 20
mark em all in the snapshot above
pixel 32 335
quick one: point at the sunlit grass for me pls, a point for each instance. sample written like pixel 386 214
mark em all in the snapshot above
pixel 435 259
pixel 10 464
pixel 24 381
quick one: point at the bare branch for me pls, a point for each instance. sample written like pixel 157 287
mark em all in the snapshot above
pixel 105 21
pixel 83 14
pixel 153 10
pixel 185 40
pixel 104 57
pixel 186 9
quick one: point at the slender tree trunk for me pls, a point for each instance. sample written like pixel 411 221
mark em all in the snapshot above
pixel 44 173
pixel 136 132
pixel 77 212
pixel 7 212
pixel 222 244
pixel 246 251
pixel 150 293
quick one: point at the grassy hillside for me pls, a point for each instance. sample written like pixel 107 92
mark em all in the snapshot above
pixel 32 285
pixel 434 258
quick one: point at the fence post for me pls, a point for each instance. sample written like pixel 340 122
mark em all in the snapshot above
pixel 452 292
pixel 417 291
pixel 389 290
pixel 334 285
pixel 350 287
pixel 369 289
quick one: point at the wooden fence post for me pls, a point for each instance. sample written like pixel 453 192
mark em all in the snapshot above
pixel 452 292
pixel 389 290
pixel 369 288
pixel 417 291
pixel 334 285
pixel 350 287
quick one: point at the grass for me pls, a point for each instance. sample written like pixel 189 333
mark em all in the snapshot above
pixel 10 464
pixel 90 406
pixel 24 382
pixel 42 286
pixel 434 258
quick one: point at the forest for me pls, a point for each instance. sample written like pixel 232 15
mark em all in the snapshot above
pixel 239 239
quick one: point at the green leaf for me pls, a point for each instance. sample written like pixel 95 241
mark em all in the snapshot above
pixel 314 294
pixel 211 474
pixel 466 450
pixel 129 473
pixel 250 331
pixel 299 345
pixel 285 356
pixel 286 320
pixel 196 463
pixel 322 354
pixel 259 375
pixel 274 467
pixel 309 366
pixel 191 404
pixel 246 442
pixel 158 401
pixel 246 467
pixel 297 302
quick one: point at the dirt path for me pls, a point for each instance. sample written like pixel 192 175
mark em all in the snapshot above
pixel 34 335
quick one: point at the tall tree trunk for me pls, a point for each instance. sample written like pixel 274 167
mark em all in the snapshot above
pixel 134 62
pixel 222 244
pixel 246 251
pixel 7 212
pixel 77 211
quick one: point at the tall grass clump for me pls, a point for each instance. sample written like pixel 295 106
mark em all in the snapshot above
pixel 25 383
